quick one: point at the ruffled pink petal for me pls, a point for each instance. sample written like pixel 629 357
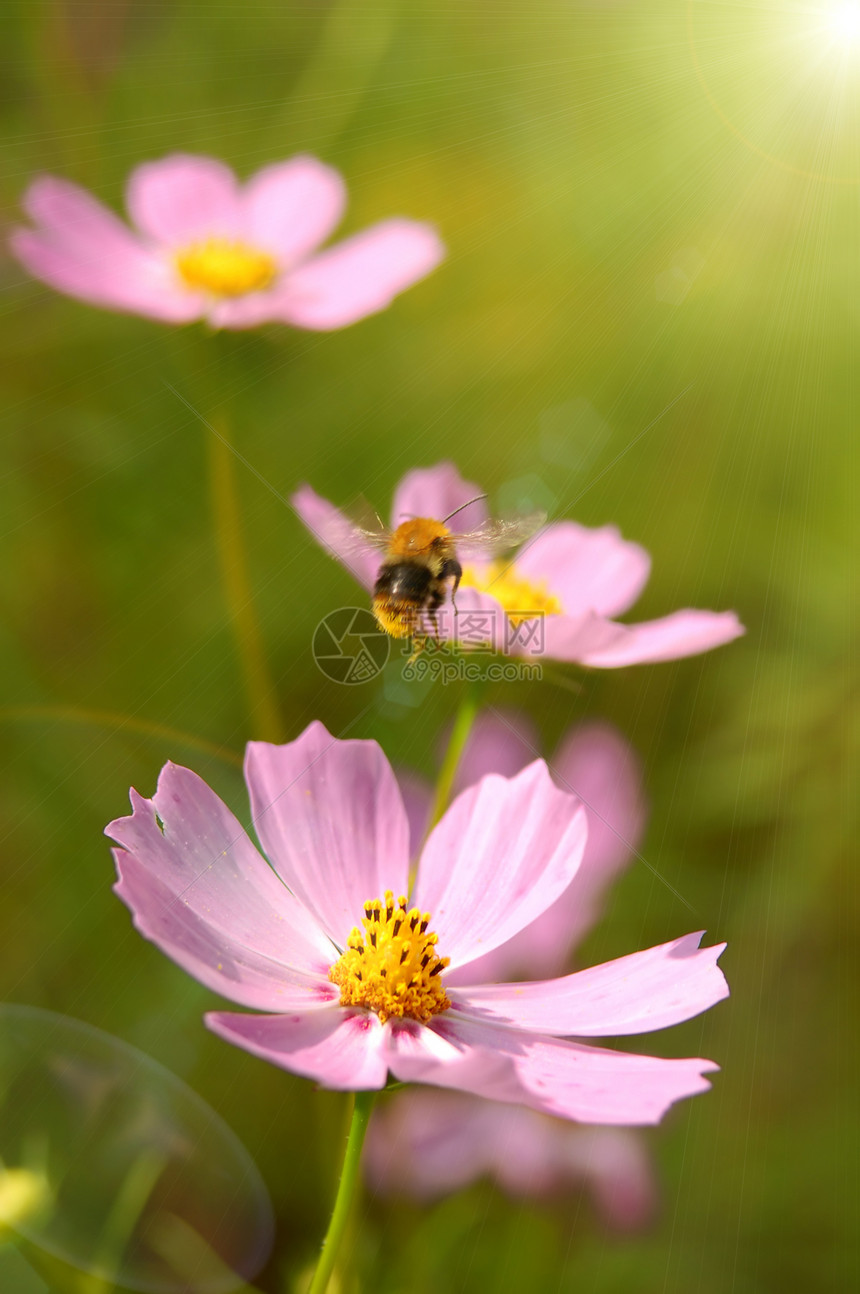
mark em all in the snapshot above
pixel 362 275
pixel 501 741
pixel 502 853
pixel 684 633
pixel 570 1080
pixel 634 994
pixel 291 207
pixel 589 570
pixel 212 956
pixel 334 531
pixel 330 818
pixel 82 249
pixel 340 1048
pixel 568 638
pixel 193 848
pixel 183 198
pixel 435 492
pixel 596 764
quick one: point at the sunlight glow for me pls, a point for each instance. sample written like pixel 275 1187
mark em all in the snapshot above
pixel 844 22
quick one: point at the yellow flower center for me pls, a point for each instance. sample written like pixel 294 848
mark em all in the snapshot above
pixel 520 598
pixel 225 268
pixel 392 966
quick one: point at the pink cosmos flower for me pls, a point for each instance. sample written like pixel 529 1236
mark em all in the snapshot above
pixel 355 979
pixel 555 598
pixel 427 1143
pixel 203 246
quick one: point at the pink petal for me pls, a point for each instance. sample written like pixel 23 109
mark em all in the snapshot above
pixel 70 217
pixel 248 311
pixel 82 249
pixel 340 1048
pixel 501 741
pixel 569 638
pixel 477 620
pixel 426 1143
pixel 291 207
pixel 634 994
pixel 362 275
pixel 436 492
pixel 596 764
pixel 684 633
pixel 142 287
pixel 589 570
pixel 210 954
pixel 193 847
pixel 183 198
pixel 570 1080
pixel 502 853
pixel 618 1169
pixel 330 817
pixel 334 531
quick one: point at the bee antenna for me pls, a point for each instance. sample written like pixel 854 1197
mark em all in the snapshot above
pixel 477 499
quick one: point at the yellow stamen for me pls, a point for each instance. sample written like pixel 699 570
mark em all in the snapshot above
pixel 520 598
pixel 392 966
pixel 225 268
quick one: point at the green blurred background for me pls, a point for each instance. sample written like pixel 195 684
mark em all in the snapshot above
pixel 648 316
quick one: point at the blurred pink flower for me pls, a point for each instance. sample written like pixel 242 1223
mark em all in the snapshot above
pixel 426 1143
pixel 203 246
pixel 349 1007
pixel 555 598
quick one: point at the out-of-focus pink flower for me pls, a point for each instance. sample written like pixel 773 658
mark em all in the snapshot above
pixel 357 980
pixel 556 598
pixel 202 246
pixel 427 1144
pixel 592 762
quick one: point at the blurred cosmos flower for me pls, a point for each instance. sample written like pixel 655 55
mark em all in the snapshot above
pixel 203 246
pixel 348 968
pixel 568 578
pixel 426 1143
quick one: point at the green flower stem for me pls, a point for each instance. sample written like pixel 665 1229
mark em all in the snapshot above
pixel 463 721
pixel 345 1192
pixel 259 688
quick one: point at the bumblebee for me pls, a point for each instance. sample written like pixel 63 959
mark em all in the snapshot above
pixel 413 581
pixel 421 566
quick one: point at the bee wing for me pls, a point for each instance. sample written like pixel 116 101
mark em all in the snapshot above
pixel 363 541
pixel 497 536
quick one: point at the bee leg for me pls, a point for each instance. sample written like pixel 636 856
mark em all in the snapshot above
pixel 418 645
pixel 451 569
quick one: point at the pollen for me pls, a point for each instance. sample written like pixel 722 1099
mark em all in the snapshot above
pixel 225 268
pixel 521 599
pixel 391 965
